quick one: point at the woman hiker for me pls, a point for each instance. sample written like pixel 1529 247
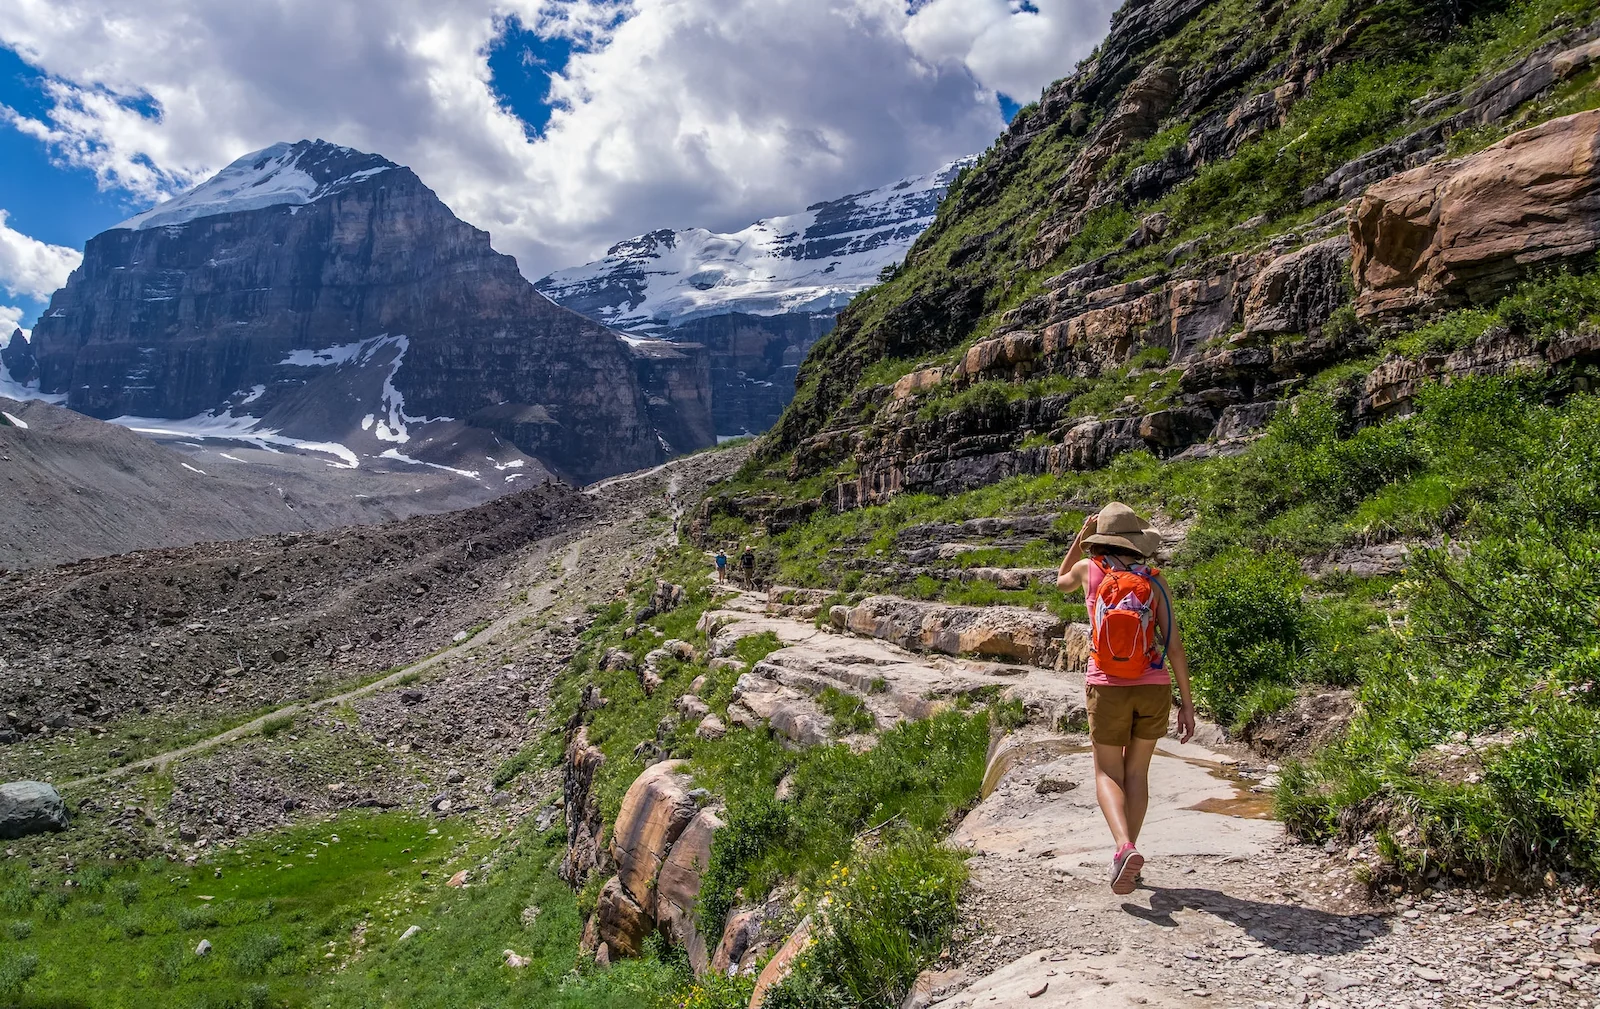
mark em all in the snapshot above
pixel 1132 639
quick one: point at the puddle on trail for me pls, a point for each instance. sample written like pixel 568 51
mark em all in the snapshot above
pixel 1242 803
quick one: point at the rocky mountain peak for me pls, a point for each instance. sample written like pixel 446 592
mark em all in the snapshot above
pixel 813 261
pixel 284 174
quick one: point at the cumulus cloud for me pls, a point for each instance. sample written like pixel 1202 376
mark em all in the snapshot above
pixel 1012 46
pixel 30 268
pixel 10 322
pixel 670 113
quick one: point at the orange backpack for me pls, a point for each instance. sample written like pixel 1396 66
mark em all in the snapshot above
pixel 1122 616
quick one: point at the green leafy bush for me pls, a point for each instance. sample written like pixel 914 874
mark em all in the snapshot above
pixel 875 926
pixel 1245 627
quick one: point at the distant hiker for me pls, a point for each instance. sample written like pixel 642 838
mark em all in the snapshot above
pixel 722 567
pixel 747 562
pixel 1132 637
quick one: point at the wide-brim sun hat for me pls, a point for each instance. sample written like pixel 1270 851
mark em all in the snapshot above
pixel 1122 527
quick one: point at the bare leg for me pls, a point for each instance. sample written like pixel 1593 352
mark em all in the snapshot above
pixel 1108 788
pixel 1136 782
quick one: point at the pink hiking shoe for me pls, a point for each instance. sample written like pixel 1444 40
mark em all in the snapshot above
pixel 1125 866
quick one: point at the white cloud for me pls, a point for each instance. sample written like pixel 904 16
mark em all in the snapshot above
pixel 10 322
pixel 1013 47
pixel 673 112
pixel 30 268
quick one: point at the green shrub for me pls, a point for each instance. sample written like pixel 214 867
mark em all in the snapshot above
pixel 753 828
pixel 850 713
pixel 876 924
pixel 1245 627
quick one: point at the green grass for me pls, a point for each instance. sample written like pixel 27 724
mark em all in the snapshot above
pixel 125 933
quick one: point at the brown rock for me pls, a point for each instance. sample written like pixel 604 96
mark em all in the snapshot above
pixel 779 967
pixel 602 956
pixel 737 936
pixel 582 806
pixel 1010 355
pixel 1005 632
pixel 918 381
pixel 621 924
pixel 654 812
pixel 679 885
pixel 711 727
pixel 1456 229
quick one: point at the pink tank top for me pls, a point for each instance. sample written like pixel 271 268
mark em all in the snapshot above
pixel 1155 675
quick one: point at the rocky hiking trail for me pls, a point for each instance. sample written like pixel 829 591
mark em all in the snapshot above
pixel 1230 911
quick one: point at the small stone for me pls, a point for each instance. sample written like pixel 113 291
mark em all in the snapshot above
pixel 408 933
pixel 1040 990
pixel 455 778
pixel 204 948
pixel 516 960
pixel 279 655
pixel 1428 974
pixel 1051 786
pixel 602 956
pixel 460 879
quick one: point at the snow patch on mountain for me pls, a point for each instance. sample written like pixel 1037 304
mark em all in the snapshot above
pixel 813 261
pixel 224 426
pixel 281 175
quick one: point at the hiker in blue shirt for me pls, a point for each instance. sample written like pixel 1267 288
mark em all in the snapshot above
pixel 722 567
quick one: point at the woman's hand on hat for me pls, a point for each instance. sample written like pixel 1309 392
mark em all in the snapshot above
pixel 1090 524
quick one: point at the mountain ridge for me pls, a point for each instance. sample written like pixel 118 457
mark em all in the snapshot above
pixel 309 289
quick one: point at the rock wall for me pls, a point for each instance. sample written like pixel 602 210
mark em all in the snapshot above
pixel 754 360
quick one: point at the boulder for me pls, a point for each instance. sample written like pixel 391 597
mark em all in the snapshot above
pixel 616 658
pixel 1298 291
pixel 919 381
pixel 30 807
pixel 621 924
pixel 582 805
pixel 655 810
pixel 778 968
pixel 678 887
pixel 692 707
pixel 1003 356
pixel 711 727
pixel 996 632
pixel 738 936
pixel 1453 230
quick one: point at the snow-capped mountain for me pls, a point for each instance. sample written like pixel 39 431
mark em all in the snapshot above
pixel 814 261
pixel 290 175
pixel 318 298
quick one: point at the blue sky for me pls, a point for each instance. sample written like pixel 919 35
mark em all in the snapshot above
pixel 661 114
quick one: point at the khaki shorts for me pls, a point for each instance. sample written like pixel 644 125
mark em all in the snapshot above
pixel 1117 714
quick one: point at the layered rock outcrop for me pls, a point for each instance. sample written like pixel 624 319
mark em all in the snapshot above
pixel 331 297
pixel 1452 231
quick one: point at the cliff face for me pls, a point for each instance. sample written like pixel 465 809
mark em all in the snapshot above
pixel 330 296
pixel 753 361
pixel 1228 200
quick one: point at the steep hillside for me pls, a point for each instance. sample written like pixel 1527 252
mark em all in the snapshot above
pixel 321 296
pixel 1162 244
